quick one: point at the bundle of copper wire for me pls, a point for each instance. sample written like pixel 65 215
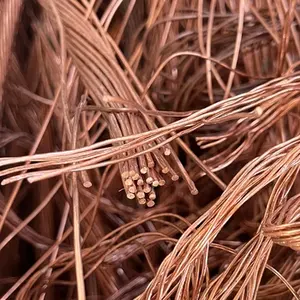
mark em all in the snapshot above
pixel 149 149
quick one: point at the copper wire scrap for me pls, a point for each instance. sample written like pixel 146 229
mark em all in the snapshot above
pixel 149 149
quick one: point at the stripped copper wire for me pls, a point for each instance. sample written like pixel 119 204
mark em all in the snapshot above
pixel 157 76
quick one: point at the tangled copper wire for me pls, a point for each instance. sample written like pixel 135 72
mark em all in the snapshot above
pixel 149 149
